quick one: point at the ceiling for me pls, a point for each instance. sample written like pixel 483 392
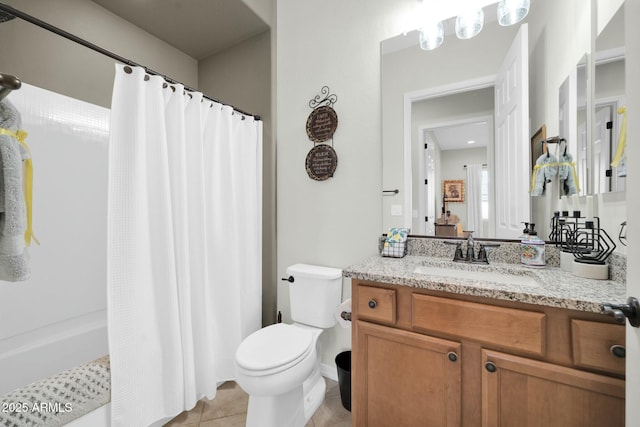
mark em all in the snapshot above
pixel 199 28
pixel 456 137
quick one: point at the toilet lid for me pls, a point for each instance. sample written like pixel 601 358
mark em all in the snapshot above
pixel 273 346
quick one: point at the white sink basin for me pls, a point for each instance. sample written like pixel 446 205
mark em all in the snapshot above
pixel 487 276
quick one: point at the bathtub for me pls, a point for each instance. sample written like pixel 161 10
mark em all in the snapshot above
pixel 100 417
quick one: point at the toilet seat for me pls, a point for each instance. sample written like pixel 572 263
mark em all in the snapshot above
pixel 273 349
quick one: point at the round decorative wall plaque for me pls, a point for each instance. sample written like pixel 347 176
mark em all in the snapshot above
pixel 322 123
pixel 322 162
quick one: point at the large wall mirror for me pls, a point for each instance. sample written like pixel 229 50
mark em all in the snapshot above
pixel 435 102
pixel 609 99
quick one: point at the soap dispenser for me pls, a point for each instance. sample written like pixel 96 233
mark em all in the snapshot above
pixel 532 248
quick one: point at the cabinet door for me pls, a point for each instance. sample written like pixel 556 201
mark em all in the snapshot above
pixel 522 392
pixel 404 379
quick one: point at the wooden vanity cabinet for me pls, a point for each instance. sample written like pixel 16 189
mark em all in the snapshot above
pixel 428 358
pixel 518 391
pixel 408 379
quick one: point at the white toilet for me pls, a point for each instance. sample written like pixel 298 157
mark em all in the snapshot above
pixel 279 365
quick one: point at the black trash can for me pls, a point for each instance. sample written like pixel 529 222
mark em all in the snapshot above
pixel 343 363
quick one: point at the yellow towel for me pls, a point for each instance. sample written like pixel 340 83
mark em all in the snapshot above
pixel 28 183
pixel 622 140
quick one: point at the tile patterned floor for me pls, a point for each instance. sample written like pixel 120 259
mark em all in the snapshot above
pixel 229 409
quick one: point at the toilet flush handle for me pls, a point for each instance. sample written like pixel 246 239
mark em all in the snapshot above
pixel 289 279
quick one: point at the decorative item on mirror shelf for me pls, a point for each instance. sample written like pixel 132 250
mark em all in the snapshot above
pixel 395 243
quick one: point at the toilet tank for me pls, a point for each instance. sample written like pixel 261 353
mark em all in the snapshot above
pixel 314 294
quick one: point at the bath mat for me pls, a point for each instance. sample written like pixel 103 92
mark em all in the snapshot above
pixel 60 399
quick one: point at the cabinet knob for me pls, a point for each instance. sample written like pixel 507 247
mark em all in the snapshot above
pixel 490 366
pixel 452 356
pixel 618 351
pixel 372 303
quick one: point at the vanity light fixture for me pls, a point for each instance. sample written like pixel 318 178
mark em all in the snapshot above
pixel 469 18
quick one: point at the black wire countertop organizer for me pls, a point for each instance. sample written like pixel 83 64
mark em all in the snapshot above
pixel 583 237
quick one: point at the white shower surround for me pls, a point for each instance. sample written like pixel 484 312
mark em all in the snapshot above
pixel 57 319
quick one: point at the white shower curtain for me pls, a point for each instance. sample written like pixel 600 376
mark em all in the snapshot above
pixel 184 245
pixel 474 200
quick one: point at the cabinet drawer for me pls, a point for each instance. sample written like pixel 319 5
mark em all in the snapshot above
pixel 377 304
pixel 592 344
pixel 505 327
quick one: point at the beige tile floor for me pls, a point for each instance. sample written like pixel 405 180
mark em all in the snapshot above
pixel 229 409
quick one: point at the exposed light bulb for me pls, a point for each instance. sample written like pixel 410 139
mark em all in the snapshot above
pixel 469 24
pixel 431 35
pixel 512 11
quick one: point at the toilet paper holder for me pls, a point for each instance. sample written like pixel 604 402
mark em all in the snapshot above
pixel 346 315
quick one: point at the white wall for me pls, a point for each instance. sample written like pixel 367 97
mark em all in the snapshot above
pixel 334 222
pixel 43 59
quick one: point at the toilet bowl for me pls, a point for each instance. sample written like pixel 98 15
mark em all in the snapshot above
pixel 276 359
pixel 279 365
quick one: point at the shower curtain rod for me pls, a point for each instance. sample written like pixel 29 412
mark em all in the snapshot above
pixel 85 43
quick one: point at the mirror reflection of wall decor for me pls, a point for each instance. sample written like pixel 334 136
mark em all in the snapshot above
pixel 537 146
pixel 453 190
pixel 322 160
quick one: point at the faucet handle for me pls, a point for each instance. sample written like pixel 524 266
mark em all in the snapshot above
pixel 482 253
pixel 457 256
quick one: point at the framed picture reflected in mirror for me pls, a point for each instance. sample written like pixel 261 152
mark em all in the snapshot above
pixel 537 147
pixel 453 190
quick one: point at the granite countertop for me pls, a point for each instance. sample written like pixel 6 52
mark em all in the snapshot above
pixel 550 286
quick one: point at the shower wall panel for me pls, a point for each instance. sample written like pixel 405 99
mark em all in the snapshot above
pixel 58 319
